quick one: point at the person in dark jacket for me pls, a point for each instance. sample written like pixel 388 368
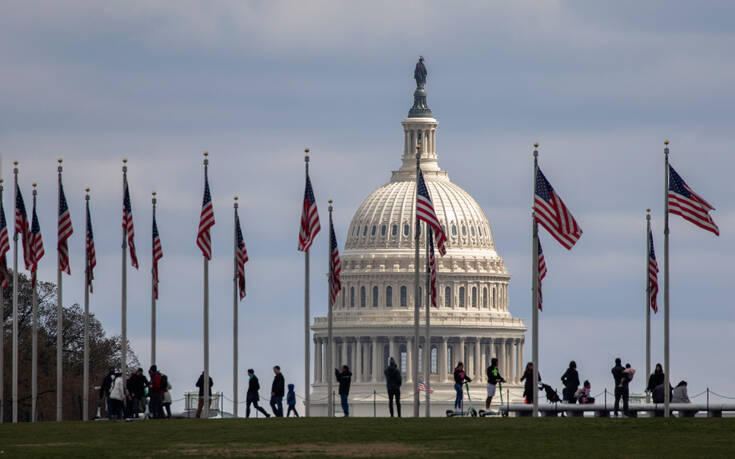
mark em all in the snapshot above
pixel 528 386
pixel 277 392
pixel 200 385
pixel 156 393
pixel 493 378
pixel 136 388
pixel 618 377
pixel 656 378
pixel 105 391
pixel 252 396
pixel 570 379
pixel 291 401
pixel 344 378
pixel 460 377
pixel 393 382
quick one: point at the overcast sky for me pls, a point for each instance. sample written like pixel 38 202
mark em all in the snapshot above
pixel 600 85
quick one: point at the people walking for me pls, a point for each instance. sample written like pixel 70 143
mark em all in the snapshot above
pixel 528 386
pixel 117 396
pixel 656 379
pixel 460 377
pixel 570 379
pixel 155 392
pixel 200 385
pixel 493 378
pixel 393 382
pixel 620 389
pixel 291 401
pixel 252 395
pixel 344 378
pixel 277 392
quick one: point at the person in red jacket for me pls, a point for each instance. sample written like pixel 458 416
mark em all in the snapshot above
pixel 155 391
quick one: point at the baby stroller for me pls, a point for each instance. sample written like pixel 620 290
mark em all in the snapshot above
pixel 470 411
pixel 551 395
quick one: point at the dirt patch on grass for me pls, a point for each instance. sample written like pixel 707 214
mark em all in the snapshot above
pixel 308 449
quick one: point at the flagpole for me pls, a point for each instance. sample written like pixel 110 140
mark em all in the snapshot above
pixel 416 312
pixel 2 333
pixel 124 295
pixel 534 300
pixel 427 338
pixel 34 342
pixel 153 289
pixel 15 302
pixel 648 298
pixel 234 318
pixel 85 383
pixel 667 394
pixel 307 334
pixel 330 363
pixel 59 321
pixel 206 316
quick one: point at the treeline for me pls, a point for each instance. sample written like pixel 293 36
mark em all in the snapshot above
pixel 104 352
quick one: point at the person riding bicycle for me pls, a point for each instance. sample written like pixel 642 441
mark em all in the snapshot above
pixel 460 377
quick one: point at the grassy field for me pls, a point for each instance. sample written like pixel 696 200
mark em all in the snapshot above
pixel 440 437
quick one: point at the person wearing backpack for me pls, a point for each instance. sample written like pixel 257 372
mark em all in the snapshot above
pixel 155 392
pixel 200 385
pixel 253 396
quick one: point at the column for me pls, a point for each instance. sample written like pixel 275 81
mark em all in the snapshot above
pixel 374 373
pixel 490 352
pixel 523 361
pixel 483 359
pixel 518 360
pixel 499 355
pixel 478 360
pixel 442 364
pixel 354 363
pixel 508 359
pixel 392 349
pixel 317 360
pixel 461 353
pixel 409 360
pixel 512 360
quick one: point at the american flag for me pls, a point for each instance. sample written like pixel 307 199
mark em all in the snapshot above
pixel 335 266
pixel 652 272
pixel 425 212
pixel 157 255
pixel 432 268
pixel 65 230
pixel 206 221
pixel 22 227
pixel 36 244
pixel 541 274
pixel 91 260
pixel 127 223
pixel 422 387
pixel 241 257
pixel 552 214
pixel 309 218
pixel 4 248
pixel 689 205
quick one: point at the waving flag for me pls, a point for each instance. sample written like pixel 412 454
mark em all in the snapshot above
pixel 91 256
pixel 432 268
pixel 335 266
pixel 551 213
pixel 241 257
pixel 64 230
pixel 425 212
pixel 206 221
pixel 689 205
pixel 309 218
pixel 157 255
pixel 22 227
pixel 36 244
pixel 422 387
pixel 652 272
pixel 127 223
pixel 4 248
pixel 541 274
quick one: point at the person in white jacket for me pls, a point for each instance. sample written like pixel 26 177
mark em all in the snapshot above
pixel 117 395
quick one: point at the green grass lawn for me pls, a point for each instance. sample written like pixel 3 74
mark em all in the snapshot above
pixel 442 437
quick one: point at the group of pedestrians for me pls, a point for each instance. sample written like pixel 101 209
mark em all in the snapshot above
pixel 277 393
pixel 126 398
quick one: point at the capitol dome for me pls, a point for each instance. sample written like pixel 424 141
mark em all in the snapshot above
pixel 373 316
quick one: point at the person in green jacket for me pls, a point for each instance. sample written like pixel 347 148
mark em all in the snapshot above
pixel 493 378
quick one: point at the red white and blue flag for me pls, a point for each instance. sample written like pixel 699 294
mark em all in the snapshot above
pixel 127 223
pixel 551 213
pixel 689 205
pixel 425 212
pixel 22 227
pixel 335 266
pixel 4 248
pixel 36 243
pixel 91 256
pixel 64 231
pixel 541 274
pixel 422 387
pixel 432 268
pixel 309 218
pixel 241 257
pixel 206 221
pixel 652 272
pixel 157 255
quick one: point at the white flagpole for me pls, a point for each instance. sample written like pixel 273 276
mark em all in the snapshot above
pixel 2 335
pixel 330 363
pixel 667 369
pixel 534 300
pixel 153 289
pixel 124 296
pixel 206 317
pixel 34 342
pixel 416 312
pixel 59 322
pixel 15 300
pixel 648 298
pixel 307 316
pixel 427 338
pixel 85 384
pixel 234 320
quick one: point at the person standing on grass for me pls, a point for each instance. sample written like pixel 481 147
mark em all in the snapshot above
pixel 344 378
pixel 117 396
pixel 528 386
pixel 105 391
pixel 570 379
pixel 393 382
pixel 136 388
pixel 166 399
pixel 155 392
pixel 291 401
pixel 493 378
pixel 200 385
pixel 277 390
pixel 460 377
pixel 252 396
pixel 618 376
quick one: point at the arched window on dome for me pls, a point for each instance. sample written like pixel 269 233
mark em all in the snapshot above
pixel 372 231
pixel 495 305
pixel 464 230
pixel 406 229
pixel 461 297
pixel 472 231
pixel 389 297
pixel 474 297
pixel 364 231
pixel 454 230
pixel 352 297
pixel 404 300
pixel 375 296
pixel 479 231
pixel 383 230
pixel 447 297
pixel 394 230
pixel 362 297
pixel 484 297
pixel 434 367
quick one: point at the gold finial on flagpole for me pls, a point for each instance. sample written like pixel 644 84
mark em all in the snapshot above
pixel 87 189
pixel 648 210
pixel 666 142
pixel 153 193
pixel 15 163
pixel 34 184
pixel 125 160
pixel 235 198
pixel 60 160
pixel 535 145
pixel 1 180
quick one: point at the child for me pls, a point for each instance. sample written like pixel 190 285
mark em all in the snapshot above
pixel 583 394
pixel 627 375
pixel 291 402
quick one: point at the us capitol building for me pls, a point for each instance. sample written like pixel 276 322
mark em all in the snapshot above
pixel 373 315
